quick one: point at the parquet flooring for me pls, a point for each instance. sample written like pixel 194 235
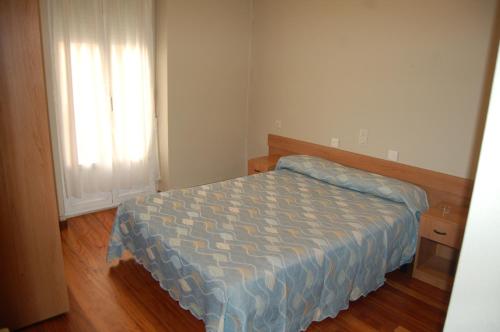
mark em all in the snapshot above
pixel 126 298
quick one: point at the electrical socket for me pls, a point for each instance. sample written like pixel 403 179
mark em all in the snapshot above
pixel 393 155
pixel 334 142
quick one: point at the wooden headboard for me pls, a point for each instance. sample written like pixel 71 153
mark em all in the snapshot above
pixel 440 187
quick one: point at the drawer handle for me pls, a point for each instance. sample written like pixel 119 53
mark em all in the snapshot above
pixel 257 171
pixel 439 233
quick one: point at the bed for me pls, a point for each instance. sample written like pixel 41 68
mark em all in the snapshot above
pixel 273 251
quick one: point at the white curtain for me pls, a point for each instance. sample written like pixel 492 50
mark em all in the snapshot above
pixel 130 34
pixel 100 68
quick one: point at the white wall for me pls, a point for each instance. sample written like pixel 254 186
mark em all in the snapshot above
pixel 475 301
pixel 203 108
pixel 411 72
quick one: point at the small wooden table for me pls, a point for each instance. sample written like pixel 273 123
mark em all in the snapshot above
pixel 262 164
pixel 438 247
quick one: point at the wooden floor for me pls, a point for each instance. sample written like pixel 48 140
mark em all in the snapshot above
pixel 126 298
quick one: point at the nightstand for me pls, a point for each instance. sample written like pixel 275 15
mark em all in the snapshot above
pixel 438 247
pixel 262 164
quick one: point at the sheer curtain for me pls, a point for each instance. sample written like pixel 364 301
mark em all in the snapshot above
pixel 99 57
pixel 130 35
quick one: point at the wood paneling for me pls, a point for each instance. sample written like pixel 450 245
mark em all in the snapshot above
pixel 125 297
pixel 440 187
pixel 32 285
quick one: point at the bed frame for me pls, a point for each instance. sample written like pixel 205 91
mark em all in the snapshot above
pixel 440 187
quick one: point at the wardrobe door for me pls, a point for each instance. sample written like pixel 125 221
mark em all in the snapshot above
pixel 32 284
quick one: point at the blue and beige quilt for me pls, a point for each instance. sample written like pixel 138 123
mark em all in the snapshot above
pixel 273 251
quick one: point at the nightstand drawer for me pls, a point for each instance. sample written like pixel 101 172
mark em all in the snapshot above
pixel 440 231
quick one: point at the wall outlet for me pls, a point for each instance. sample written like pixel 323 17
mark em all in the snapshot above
pixel 392 155
pixel 277 124
pixel 334 142
pixel 363 136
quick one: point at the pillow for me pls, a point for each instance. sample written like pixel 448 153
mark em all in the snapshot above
pixel 330 172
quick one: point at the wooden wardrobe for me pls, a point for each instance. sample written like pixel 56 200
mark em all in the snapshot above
pixel 32 284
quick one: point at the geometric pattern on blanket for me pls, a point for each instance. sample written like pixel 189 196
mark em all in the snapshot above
pixel 269 252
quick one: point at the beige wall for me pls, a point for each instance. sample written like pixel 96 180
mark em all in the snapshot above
pixel 161 89
pixel 203 108
pixel 411 72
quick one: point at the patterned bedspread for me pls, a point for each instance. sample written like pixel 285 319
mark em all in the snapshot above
pixel 269 252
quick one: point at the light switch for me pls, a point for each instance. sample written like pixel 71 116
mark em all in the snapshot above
pixel 277 123
pixel 363 136
pixel 392 155
pixel 334 142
